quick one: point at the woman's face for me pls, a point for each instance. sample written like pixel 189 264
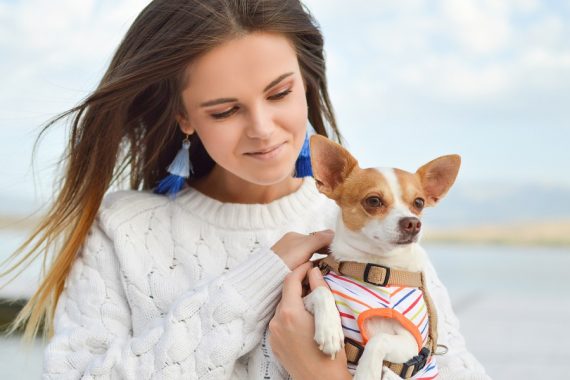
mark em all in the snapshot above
pixel 244 97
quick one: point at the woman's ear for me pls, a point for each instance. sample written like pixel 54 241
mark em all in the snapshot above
pixel 184 124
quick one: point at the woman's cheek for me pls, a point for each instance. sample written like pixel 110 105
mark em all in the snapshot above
pixel 220 142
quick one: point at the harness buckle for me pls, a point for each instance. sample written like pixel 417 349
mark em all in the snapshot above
pixel 416 363
pixel 324 268
pixel 367 272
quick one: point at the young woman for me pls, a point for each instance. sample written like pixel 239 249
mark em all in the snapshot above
pixel 145 285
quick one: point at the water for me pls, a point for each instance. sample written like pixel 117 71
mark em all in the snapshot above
pixel 512 302
pixel 513 306
pixel 18 361
pixel 23 286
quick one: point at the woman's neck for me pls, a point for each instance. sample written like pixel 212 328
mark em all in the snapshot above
pixel 228 188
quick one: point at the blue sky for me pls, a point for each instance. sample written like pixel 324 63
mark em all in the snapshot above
pixel 409 80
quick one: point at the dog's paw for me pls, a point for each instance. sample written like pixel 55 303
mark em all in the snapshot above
pixel 361 376
pixel 368 372
pixel 329 336
pixel 370 366
pixel 463 375
pixel 328 328
pixel 388 374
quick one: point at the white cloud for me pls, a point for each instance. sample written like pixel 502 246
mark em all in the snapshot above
pixel 53 54
pixel 525 6
pixel 459 51
pixel 415 79
pixel 448 78
pixel 398 63
pixel 479 26
pixel 43 39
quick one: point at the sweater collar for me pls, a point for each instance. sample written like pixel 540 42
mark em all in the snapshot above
pixel 252 216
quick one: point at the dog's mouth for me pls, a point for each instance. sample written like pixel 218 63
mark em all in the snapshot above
pixel 407 240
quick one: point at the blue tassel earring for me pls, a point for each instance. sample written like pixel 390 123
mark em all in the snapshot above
pixel 180 169
pixel 303 166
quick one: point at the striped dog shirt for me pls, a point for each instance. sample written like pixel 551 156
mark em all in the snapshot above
pixel 357 301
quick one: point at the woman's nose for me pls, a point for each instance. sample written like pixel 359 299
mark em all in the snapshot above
pixel 260 124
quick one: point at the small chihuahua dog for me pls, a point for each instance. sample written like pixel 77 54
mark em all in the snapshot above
pixel 377 307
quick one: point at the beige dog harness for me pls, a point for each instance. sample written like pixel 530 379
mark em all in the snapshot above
pixel 385 279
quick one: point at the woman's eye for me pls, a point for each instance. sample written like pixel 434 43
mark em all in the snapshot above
pixel 224 114
pixel 280 95
pixel 231 111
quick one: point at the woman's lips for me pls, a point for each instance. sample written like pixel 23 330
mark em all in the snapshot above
pixel 268 153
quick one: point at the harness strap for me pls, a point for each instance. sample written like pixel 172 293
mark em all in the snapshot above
pixel 432 315
pixel 381 276
pixel 405 370
pixel 374 274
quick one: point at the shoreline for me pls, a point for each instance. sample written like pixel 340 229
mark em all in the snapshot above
pixel 551 233
pixel 20 223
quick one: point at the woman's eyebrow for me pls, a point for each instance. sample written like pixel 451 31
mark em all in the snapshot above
pixel 218 101
pixel 277 80
pixel 229 100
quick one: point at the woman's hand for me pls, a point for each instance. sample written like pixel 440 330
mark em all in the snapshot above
pixel 292 331
pixel 295 249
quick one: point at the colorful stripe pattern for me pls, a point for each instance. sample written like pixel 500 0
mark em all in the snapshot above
pixel 357 301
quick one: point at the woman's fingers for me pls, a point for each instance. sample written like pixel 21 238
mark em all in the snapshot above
pixel 316 278
pixel 319 240
pixel 292 288
pixel 292 331
pixel 295 248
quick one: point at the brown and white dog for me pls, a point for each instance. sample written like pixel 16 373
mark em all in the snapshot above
pixel 378 223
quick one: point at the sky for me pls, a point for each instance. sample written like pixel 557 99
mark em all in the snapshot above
pixel 409 80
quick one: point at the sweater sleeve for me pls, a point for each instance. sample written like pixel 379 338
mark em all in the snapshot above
pixel 201 336
pixel 458 363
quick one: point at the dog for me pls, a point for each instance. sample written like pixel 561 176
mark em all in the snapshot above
pixel 377 308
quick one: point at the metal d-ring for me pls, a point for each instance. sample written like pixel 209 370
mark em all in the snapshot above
pixel 445 349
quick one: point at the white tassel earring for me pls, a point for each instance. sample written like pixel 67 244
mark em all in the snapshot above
pixel 180 169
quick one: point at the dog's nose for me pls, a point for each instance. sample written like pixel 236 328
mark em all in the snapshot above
pixel 410 225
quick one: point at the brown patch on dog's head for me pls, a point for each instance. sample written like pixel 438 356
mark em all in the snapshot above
pixel 360 193
pixel 412 193
pixel 366 195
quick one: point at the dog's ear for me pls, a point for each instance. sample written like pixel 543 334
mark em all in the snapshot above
pixel 331 164
pixel 437 177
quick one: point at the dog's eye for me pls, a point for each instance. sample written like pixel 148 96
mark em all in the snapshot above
pixel 373 202
pixel 419 203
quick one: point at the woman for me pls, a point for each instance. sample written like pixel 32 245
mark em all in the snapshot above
pixel 152 286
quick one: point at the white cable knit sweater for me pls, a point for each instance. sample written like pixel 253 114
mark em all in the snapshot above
pixel 185 288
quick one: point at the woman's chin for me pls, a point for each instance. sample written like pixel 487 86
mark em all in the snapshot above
pixel 270 174
pixel 271 178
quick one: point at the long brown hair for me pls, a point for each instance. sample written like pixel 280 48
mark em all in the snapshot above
pixel 127 129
